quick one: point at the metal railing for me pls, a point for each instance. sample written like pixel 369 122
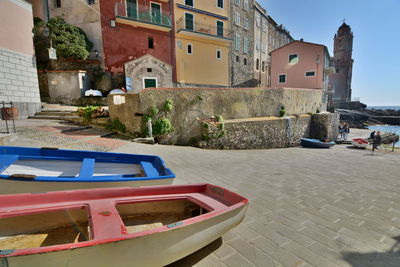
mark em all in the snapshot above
pixel 194 26
pixel 7 113
pixel 143 13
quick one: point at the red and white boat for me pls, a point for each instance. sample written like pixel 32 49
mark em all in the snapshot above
pixel 360 143
pixel 146 226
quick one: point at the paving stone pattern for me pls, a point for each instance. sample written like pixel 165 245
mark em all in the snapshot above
pixel 308 207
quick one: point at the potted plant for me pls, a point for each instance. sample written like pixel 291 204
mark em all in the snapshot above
pixel 8 113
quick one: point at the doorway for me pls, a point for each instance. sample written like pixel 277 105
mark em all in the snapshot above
pixel 149 82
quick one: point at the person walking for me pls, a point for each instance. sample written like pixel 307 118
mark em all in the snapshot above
pixel 341 130
pixel 346 130
pixel 377 140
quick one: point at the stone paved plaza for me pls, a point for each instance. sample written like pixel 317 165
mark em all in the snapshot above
pixel 308 207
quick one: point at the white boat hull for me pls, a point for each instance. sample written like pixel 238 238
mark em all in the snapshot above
pixel 9 186
pixel 152 250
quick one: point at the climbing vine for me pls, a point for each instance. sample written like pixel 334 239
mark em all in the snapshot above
pixel 161 125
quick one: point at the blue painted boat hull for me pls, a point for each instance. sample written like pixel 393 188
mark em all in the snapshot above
pixel 36 170
pixel 315 143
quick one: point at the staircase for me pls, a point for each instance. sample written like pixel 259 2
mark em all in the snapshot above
pixel 56 112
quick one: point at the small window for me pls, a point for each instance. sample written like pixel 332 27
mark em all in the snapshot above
pixel 245 61
pixel 151 42
pixel 189 49
pixel 310 73
pixel 91 2
pixel 189 2
pixel 237 2
pixel 149 70
pixel 258 19
pixel 263 66
pixel 219 54
pixel 246 23
pixel 237 42
pixel 220 28
pixel 257 64
pixel 220 3
pixel 245 45
pixel 57 3
pixel 282 78
pixel 293 59
pixel 246 4
pixel 237 18
pixel 337 70
pixel 237 58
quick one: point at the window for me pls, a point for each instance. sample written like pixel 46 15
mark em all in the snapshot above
pixel 293 59
pixel 246 4
pixel 337 70
pixel 151 42
pixel 310 73
pixel 156 13
pixel 237 18
pixel 237 58
pixel 220 28
pixel 282 78
pixel 149 82
pixel 237 2
pixel 91 2
pixel 57 3
pixel 258 19
pixel 131 9
pixel 189 2
pixel 219 54
pixel 265 26
pixel 263 66
pixel 189 25
pixel 237 42
pixel 245 45
pixel 246 23
pixel 149 70
pixel 245 61
pixel 220 3
pixel 189 49
pixel 257 64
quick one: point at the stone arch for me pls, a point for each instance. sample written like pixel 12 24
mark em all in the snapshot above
pixel 148 66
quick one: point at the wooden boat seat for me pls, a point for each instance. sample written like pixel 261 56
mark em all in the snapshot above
pixel 149 169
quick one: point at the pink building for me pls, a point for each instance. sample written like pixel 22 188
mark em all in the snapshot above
pixel 301 65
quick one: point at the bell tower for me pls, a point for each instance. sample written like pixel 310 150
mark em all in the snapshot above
pixel 343 62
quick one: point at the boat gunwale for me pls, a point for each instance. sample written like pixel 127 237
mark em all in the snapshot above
pixel 126 236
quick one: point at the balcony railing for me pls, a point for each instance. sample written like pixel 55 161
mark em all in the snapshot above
pixel 143 14
pixel 187 25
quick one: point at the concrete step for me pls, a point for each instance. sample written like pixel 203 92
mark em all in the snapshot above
pixel 49 117
pixel 55 113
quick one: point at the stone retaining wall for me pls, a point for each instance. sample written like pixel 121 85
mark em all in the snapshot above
pixel 272 132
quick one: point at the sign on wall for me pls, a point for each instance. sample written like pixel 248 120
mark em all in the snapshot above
pixel 128 82
pixel 52 53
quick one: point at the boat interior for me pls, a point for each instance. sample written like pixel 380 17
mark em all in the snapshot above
pixel 65 168
pixel 72 225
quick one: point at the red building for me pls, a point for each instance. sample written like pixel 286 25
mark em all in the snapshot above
pixel 138 41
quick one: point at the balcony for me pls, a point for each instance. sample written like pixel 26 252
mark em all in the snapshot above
pixel 192 28
pixel 150 17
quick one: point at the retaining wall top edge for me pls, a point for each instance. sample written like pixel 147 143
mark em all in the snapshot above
pixel 272 118
pixel 226 88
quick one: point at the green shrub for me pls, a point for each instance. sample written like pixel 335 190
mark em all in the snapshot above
pixel 116 125
pixel 69 40
pixel 168 106
pixel 282 112
pixel 219 118
pixel 153 111
pixel 86 112
pixel 162 126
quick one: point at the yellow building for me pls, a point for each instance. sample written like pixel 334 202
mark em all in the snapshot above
pixel 202 41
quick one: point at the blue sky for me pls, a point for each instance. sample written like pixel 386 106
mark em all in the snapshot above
pixel 376 28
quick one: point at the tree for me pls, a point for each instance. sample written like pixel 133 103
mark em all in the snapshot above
pixel 69 40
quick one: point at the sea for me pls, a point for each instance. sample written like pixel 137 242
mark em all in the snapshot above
pixel 386 128
pixel 384 107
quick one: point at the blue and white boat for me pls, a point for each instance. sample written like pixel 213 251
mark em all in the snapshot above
pixel 24 170
pixel 315 143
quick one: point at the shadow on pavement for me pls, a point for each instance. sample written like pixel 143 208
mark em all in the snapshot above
pixel 197 256
pixel 391 258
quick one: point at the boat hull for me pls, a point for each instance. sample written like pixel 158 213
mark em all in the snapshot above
pixel 153 250
pixel 8 186
pixel 112 238
pixel 315 143
pixel 360 143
